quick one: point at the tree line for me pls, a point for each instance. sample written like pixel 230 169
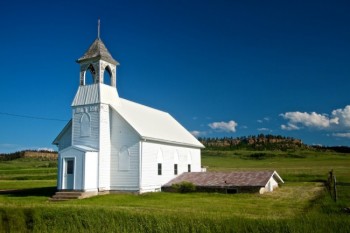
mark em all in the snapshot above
pixel 265 142
pixel 253 142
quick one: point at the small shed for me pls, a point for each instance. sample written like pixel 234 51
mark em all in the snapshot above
pixel 229 182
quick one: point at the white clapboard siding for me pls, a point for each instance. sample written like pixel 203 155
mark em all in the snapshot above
pixel 104 148
pixel 77 155
pixel 85 168
pixel 59 171
pixel 90 171
pixel 93 139
pixel 150 180
pixel 123 137
pixel 64 138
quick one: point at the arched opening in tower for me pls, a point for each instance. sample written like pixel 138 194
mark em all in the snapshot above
pixel 107 76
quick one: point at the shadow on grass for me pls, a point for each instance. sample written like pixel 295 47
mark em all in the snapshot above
pixel 43 192
pixel 343 183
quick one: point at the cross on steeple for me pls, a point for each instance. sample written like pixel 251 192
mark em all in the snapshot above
pixel 98 29
pixel 98 60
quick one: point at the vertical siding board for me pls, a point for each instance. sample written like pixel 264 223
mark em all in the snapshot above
pixel 91 171
pixel 59 172
pixel 104 147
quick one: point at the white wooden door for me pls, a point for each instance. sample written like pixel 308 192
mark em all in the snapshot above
pixel 69 173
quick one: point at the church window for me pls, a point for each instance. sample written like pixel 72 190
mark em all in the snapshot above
pixel 159 162
pixel 189 161
pixel 159 169
pixel 85 127
pixel 124 159
pixel 176 161
pixel 175 169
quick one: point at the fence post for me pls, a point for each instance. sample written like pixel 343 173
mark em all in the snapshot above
pixel 335 189
pixel 329 181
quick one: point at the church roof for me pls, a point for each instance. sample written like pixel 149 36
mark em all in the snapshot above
pixel 95 94
pixel 222 179
pixel 98 50
pixel 151 124
pixel 155 125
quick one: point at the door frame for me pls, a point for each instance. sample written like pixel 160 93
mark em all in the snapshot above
pixel 64 173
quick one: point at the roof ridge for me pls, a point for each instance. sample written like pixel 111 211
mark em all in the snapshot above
pixel 145 106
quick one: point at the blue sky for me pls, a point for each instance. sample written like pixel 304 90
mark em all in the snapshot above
pixel 221 68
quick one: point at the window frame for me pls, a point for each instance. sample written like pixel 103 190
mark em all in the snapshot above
pixel 175 168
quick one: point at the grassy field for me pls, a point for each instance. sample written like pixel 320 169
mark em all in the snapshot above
pixel 300 205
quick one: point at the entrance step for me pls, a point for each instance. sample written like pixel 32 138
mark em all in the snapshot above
pixel 71 195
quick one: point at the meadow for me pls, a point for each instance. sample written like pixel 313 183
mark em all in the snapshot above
pixel 302 204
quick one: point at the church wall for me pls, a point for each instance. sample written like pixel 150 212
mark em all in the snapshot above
pixel 91 171
pixel 66 140
pixel 105 148
pixel 78 157
pixel 154 153
pixel 59 171
pixel 124 162
pixel 88 135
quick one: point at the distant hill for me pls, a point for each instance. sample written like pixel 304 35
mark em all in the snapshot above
pixel 258 142
pixel 264 142
pixel 39 154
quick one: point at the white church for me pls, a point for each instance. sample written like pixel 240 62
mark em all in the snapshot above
pixel 113 144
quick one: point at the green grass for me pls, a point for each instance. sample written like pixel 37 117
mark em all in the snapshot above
pixel 28 169
pixel 300 205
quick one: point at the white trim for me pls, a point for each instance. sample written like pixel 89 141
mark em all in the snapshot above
pixel 64 180
pixel 140 164
pixel 278 176
pixel 79 148
pixel 59 136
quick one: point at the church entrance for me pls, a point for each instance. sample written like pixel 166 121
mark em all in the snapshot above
pixel 68 173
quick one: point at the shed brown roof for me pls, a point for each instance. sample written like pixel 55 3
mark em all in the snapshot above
pixel 98 50
pixel 236 179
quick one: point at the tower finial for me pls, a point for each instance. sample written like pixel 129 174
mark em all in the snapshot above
pixel 98 29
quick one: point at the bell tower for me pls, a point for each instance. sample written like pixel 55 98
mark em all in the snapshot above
pixel 92 104
pixel 98 60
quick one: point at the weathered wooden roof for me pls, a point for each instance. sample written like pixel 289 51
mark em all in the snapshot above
pixel 98 50
pixel 229 179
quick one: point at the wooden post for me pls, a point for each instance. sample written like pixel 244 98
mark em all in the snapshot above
pixel 335 189
pixel 329 181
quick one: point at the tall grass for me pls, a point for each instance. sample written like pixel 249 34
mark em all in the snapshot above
pixel 300 205
pixel 108 220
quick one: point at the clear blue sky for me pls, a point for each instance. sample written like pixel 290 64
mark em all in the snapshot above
pixel 221 68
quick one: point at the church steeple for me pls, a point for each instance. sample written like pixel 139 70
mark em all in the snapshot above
pixel 98 60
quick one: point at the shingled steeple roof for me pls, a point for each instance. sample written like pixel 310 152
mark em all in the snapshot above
pixel 98 50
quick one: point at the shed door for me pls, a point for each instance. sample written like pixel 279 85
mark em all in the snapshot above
pixel 69 173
